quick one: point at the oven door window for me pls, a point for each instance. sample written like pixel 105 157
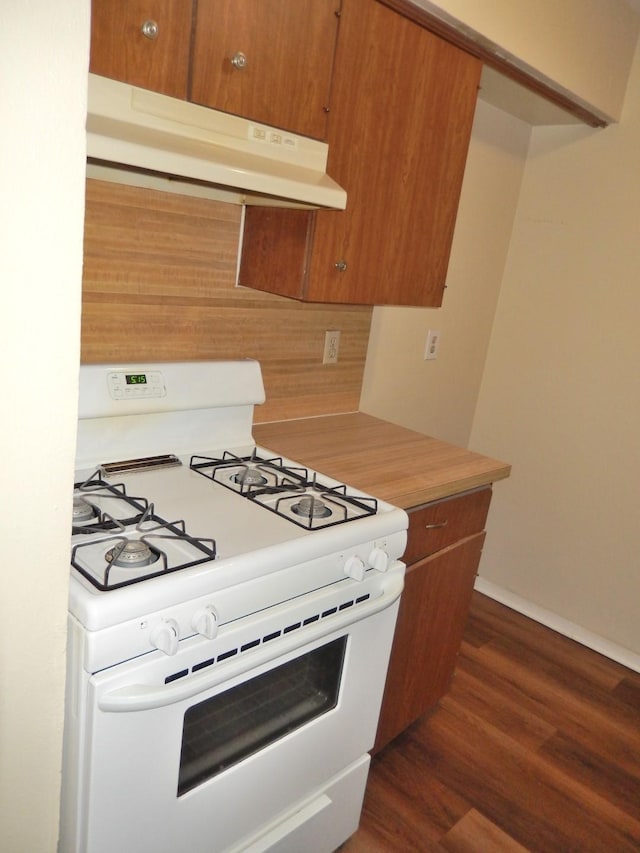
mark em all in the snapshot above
pixel 227 728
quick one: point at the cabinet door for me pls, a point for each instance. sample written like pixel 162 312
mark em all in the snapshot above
pixel 402 107
pixel 121 50
pixel 288 49
pixel 431 619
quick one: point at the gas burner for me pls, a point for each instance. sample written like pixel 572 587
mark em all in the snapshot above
pixel 83 510
pixel 102 506
pixel 248 476
pixel 132 554
pixel 314 506
pixel 311 507
pixel 161 548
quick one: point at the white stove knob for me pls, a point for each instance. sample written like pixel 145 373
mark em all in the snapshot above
pixel 165 636
pixel 379 560
pixel 354 568
pixel 205 622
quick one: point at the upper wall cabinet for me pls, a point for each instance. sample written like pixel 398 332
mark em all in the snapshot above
pixel 143 43
pixel 402 107
pixel 268 60
pixel 398 127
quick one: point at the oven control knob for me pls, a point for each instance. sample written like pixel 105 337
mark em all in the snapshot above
pixel 165 636
pixel 354 568
pixel 379 559
pixel 205 622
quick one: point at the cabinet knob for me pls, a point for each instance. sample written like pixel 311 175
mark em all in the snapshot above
pixel 239 60
pixel 150 29
pixel 341 266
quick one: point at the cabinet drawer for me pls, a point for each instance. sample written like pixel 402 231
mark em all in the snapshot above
pixel 441 523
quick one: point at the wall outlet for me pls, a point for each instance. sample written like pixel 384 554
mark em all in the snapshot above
pixel 432 345
pixel 331 346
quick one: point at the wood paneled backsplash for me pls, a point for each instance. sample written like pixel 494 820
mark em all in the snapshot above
pixel 159 285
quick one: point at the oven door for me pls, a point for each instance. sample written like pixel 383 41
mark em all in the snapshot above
pixel 261 750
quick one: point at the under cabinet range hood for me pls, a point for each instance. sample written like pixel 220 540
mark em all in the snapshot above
pixel 135 128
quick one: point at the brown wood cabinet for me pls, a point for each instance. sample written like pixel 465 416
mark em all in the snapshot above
pixel 402 107
pixel 146 43
pixel 268 60
pixel 443 552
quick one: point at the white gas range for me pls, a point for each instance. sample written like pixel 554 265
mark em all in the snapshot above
pixel 230 620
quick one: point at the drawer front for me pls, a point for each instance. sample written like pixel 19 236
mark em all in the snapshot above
pixel 441 523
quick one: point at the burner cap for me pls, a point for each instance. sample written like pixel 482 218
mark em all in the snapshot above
pixel 133 554
pixel 311 507
pixel 249 476
pixel 83 510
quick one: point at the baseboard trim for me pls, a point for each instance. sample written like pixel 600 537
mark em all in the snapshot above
pixel 568 629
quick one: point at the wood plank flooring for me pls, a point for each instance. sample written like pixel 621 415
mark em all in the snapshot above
pixel 536 747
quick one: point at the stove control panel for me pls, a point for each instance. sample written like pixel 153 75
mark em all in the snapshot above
pixel 378 559
pixel 130 386
pixel 223 600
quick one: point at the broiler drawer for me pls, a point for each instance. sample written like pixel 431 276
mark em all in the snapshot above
pixel 436 525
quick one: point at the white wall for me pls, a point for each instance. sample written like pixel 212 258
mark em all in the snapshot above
pixel 560 398
pixel 581 47
pixel 44 51
pixel 439 397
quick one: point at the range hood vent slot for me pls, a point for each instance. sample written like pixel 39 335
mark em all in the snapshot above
pixel 136 128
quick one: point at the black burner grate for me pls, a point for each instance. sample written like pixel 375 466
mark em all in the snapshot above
pixel 286 489
pixel 91 557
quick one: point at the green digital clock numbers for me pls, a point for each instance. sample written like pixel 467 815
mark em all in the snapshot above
pixel 135 378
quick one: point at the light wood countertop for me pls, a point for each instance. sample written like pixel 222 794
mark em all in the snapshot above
pixel 389 462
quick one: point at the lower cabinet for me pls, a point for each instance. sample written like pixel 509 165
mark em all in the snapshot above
pixel 443 553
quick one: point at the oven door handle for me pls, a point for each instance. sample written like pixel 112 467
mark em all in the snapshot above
pixel 143 697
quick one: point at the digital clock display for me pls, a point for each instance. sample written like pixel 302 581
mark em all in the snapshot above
pixel 135 378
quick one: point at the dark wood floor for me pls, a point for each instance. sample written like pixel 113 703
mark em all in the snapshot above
pixel 536 747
